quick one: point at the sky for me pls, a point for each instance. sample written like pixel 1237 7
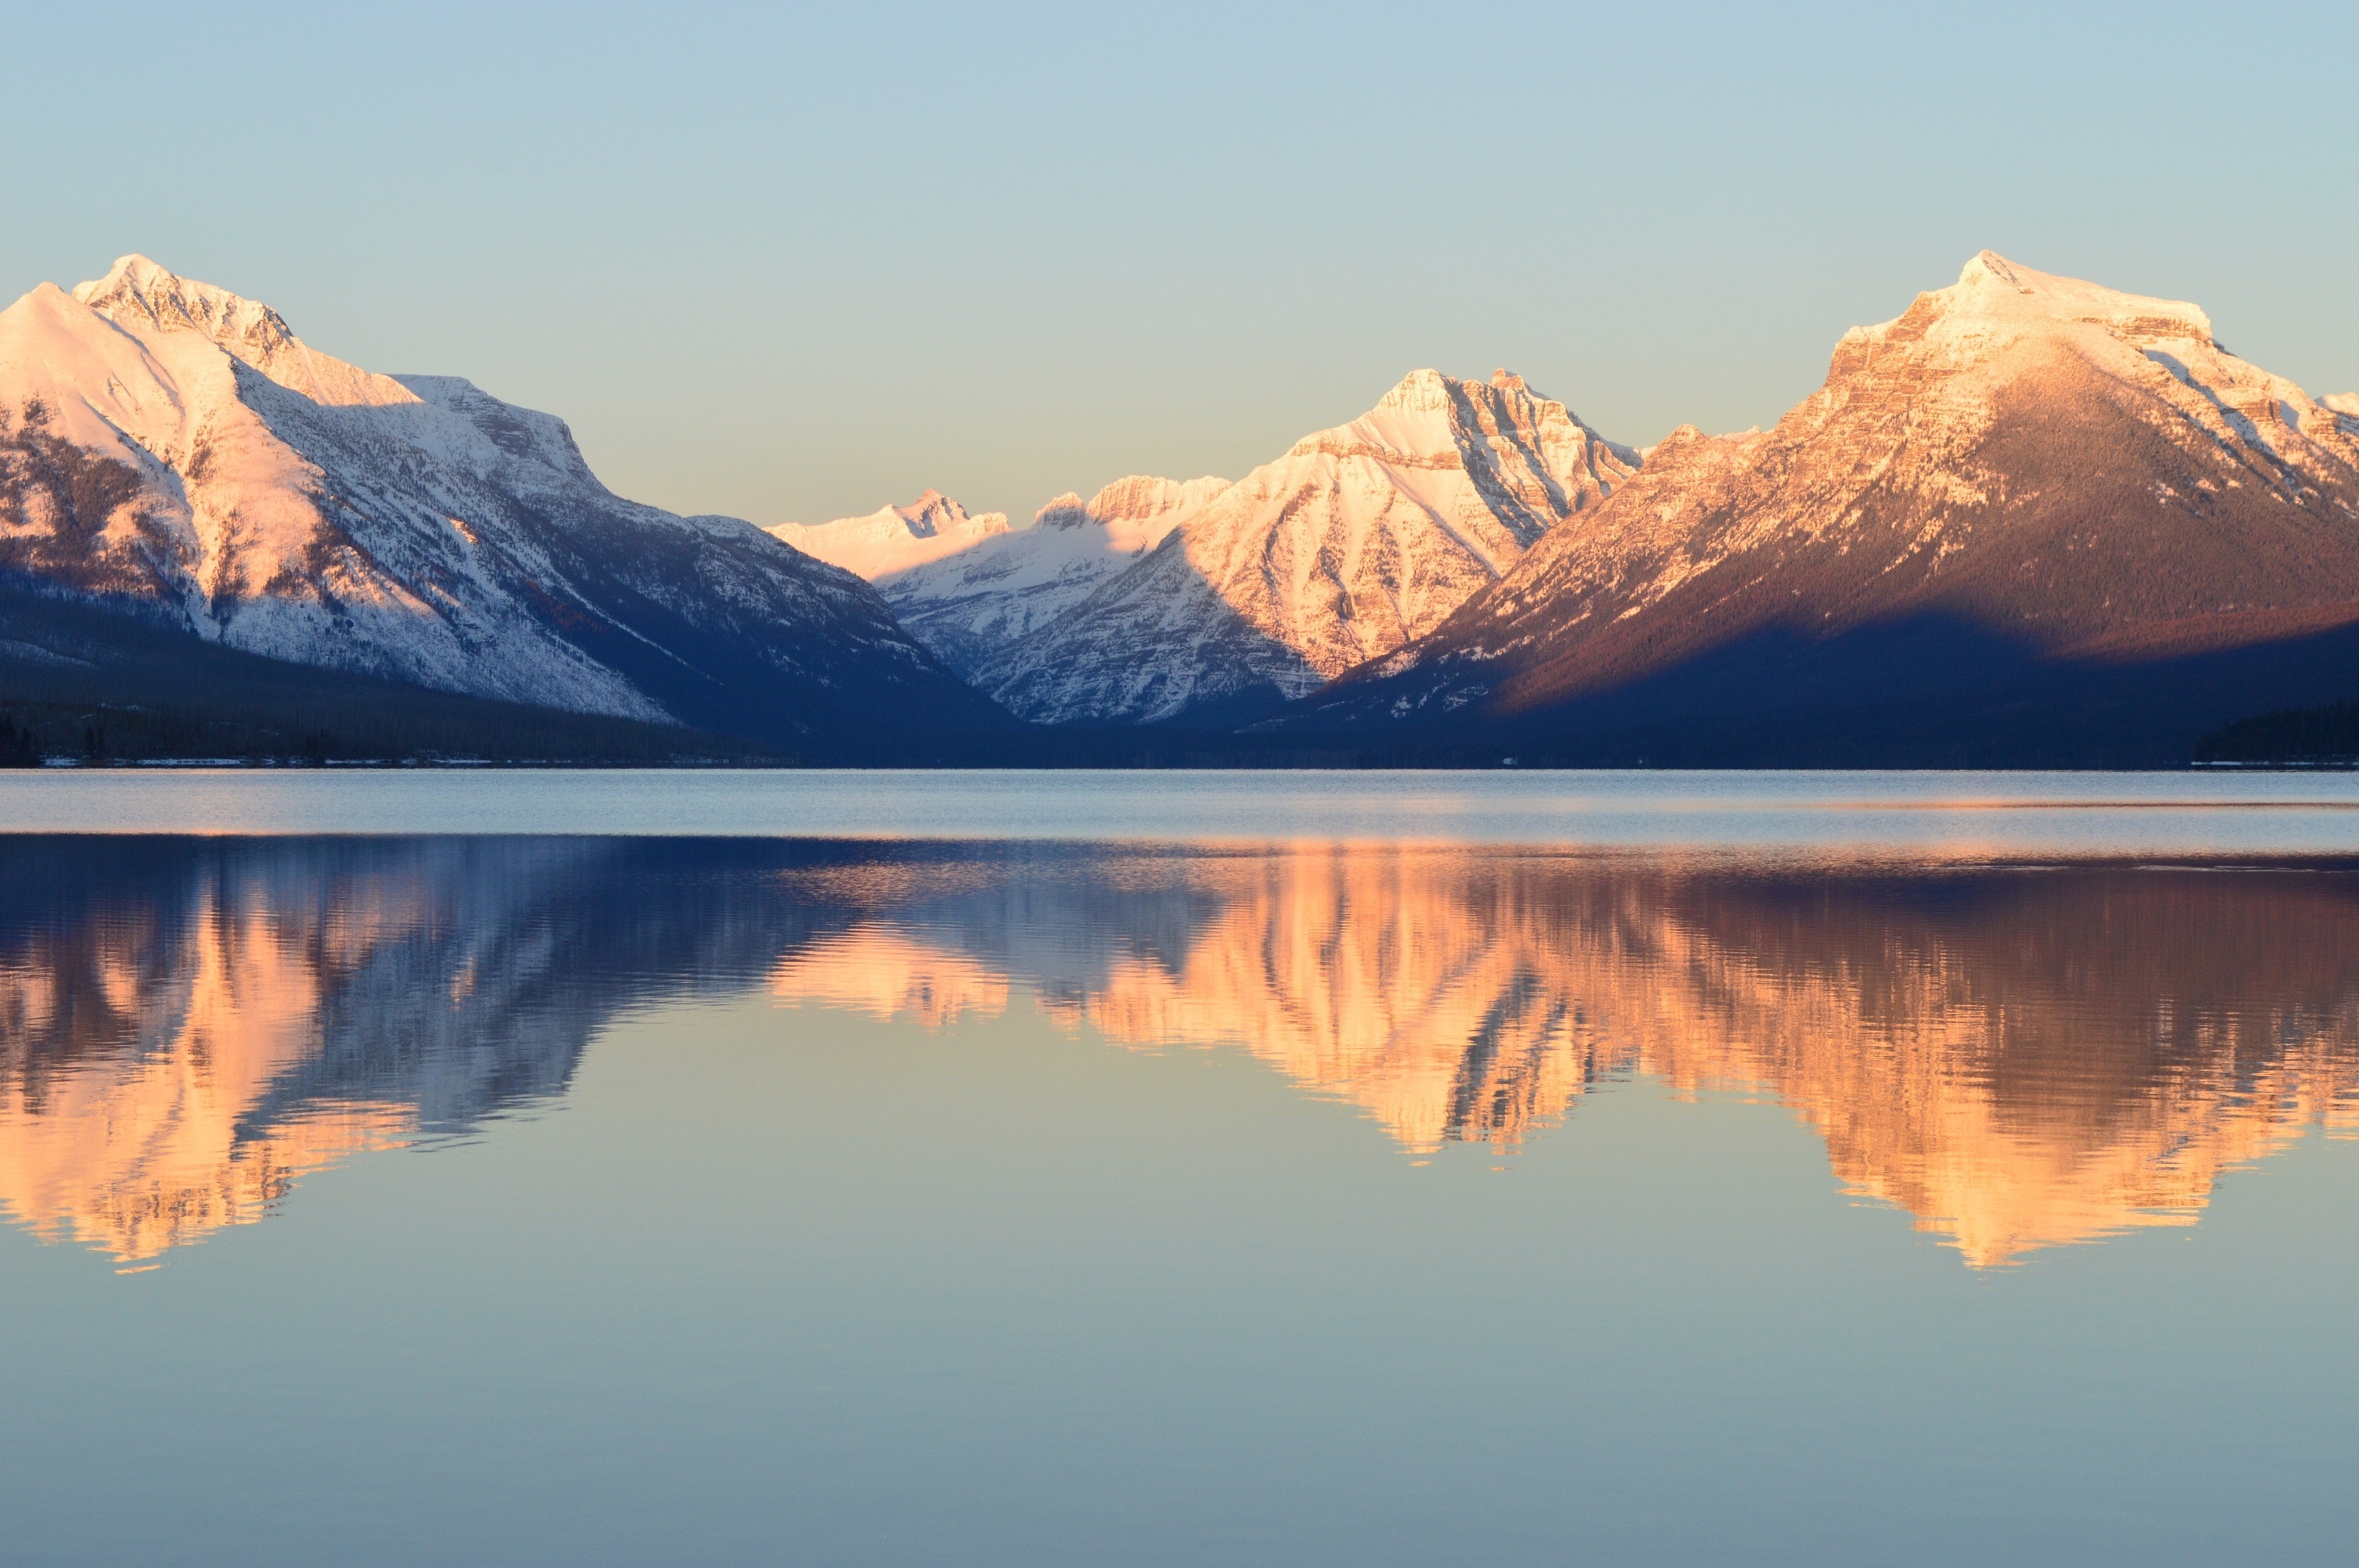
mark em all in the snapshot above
pixel 795 263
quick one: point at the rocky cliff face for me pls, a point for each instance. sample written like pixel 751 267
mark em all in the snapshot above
pixel 1358 540
pixel 172 449
pixel 2021 473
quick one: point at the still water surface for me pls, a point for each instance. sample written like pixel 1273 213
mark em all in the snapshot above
pixel 1558 1194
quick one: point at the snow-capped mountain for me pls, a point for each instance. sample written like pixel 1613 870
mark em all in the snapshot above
pixel 1357 541
pixel 171 448
pixel 2024 485
pixel 970 606
pixel 894 538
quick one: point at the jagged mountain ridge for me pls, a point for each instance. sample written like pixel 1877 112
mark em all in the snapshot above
pixel 174 449
pixel 2024 479
pixel 894 538
pixel 969 606
pixel 1358 540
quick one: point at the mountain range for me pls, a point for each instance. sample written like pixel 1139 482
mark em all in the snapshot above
pixel 2029 515
pixel 2029 520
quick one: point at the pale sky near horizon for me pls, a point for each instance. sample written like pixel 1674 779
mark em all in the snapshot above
pixel 792 263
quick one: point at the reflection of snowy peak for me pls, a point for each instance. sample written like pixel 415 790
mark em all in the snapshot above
pixel 1358 540
pixel 2020 1062
pixel 167 442
pixel 193 1026
pixel 969 606
pixel 894 538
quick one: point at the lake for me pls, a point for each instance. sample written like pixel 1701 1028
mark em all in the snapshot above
pixel 1006 1168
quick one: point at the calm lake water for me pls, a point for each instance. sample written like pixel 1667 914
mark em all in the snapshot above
pixel 1178 1169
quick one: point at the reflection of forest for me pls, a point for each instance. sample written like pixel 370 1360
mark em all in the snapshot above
pixel 2020 1058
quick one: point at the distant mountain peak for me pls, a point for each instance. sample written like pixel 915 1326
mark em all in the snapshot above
pixel 931 514
pixel 1065 511
pixel 1357 539
pixel 894 538
pixel 972 605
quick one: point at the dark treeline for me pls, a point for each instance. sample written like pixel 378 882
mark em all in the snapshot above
pixel 86 684
pixel 91 684
pixel 2328 735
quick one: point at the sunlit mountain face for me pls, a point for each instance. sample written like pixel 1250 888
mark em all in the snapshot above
pixel 2020 1057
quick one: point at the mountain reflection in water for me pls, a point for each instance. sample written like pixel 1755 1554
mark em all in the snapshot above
pixel 2019 1057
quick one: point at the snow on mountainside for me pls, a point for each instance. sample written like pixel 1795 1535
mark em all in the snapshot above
pixel 969 606
pixel 2019 461
pixel 1358 540
pixel 170 446
pixel 894 538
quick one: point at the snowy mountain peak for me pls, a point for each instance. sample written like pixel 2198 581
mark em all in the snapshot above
pixel 1419 391
pixel 1136 510
pixel 974 605
pixel 1992 286
pixel 136 288
pixel 1065 511
pixel 894 538
pixel 145 297
pixel 169 444
pixel 1359 539
pixel 2057 465
pixel 1140 508
pixel 931 515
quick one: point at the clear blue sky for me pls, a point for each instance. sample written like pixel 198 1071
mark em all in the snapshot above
pixel 793 263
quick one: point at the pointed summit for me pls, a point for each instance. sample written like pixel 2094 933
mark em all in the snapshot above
pixel 932 515
pixel 893 539
pixel 137 289
pixel 1419 391
pixel 1992 286
pixel 1999 506
pixel 169 449
pixel 975 602
pixel 143 295
pixel 1359 539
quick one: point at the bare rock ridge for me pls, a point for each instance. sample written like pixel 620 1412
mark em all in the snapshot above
pixel 174 450
pixel 2028 501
